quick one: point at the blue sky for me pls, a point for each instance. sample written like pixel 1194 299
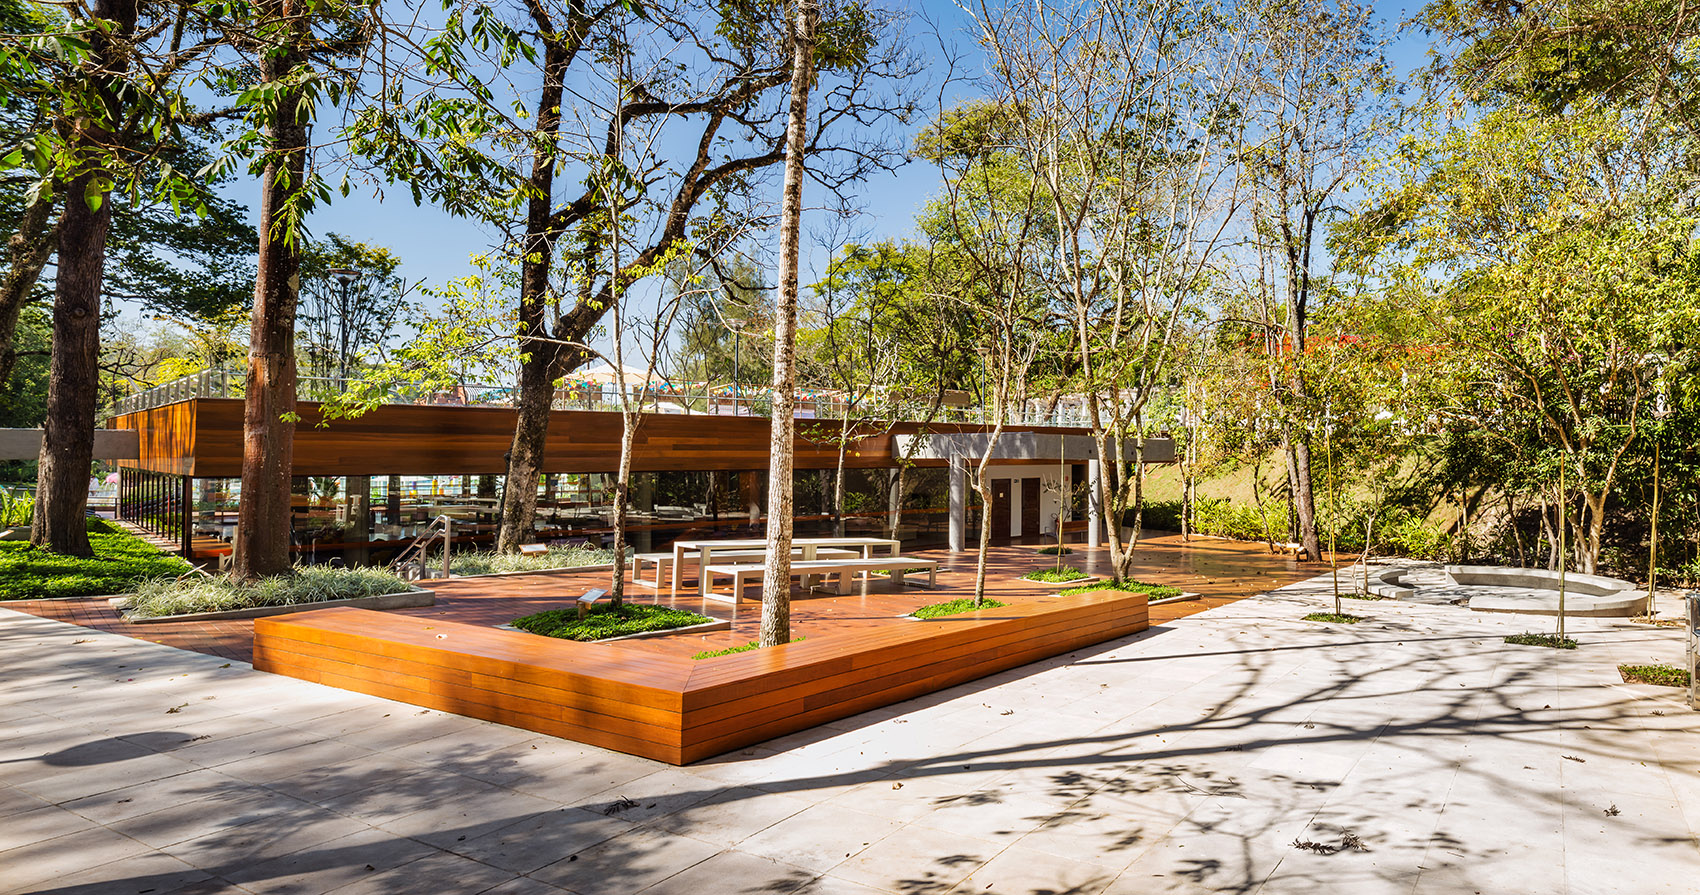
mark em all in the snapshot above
pixel 434 246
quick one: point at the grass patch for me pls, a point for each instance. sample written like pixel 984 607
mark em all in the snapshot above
pixel 1154 591
pixel 1551 641
pixel 731 650
pixel 954 607
pixel 1054 575
pixel 1338 618
pixel 1363 596
pixel 1657 675
pixel 915 571
pixel 612 621
pixel 489 562
pixel 120 562
pixel 309 584
pixel 1055 551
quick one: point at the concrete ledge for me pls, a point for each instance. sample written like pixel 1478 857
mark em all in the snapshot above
pixel 404 600
pixel 602 567
pixel 1575 605
pixel 1390 584
pixel 1587 596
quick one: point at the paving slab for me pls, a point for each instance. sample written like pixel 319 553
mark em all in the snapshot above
pixel 1201 756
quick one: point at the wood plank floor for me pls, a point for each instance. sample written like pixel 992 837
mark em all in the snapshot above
pixel 1221 571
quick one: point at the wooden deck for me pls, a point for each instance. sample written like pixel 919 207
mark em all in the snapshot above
pixel 666 707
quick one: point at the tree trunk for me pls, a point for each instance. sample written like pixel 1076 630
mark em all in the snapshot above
pixel 26 254
pixel 838 478
pixel 1304 497
pixel 776 579
pixel 539 360
pixel 67 447
pixel 262 541
pixel 622 488
pixel 983 487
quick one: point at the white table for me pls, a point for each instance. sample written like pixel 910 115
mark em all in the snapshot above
pixel 808 546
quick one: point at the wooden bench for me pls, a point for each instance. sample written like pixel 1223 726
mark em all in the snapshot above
pixel 663 562
pixel 842 569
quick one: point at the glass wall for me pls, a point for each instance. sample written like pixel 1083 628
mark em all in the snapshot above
pixel 362 519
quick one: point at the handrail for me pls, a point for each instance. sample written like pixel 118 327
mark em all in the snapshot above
pixel 689 398
pixel 422 543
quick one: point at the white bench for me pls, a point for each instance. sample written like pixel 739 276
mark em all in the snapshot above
pixel 842 569
pixel 663 562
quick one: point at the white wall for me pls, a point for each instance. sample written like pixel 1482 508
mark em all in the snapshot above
pixel 1053 489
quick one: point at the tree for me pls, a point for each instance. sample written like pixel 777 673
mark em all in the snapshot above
pixel 294 46
pixel 352 302
pixel 1120 115
pixel 455 140
pixel 1317 100
pixel 1555 261
pixel 776 577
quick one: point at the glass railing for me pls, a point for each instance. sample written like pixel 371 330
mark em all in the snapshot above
pixel 686 398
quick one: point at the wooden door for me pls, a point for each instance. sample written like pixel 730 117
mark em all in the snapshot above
pixel 1029 508
pixel 999 516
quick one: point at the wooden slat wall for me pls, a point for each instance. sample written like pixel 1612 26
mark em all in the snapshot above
pixel 592 693
pixel 429 440
pixel 672 709
pixel 167 436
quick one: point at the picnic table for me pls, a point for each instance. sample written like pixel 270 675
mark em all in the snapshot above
pixel 808 546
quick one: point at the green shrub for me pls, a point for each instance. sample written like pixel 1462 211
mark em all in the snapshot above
pixel 1338 618
pixel 1551 641
pixel 489 562
pixel 309 584
pixel 1051 574
pixel 120 562
pixel 1154 591
pixel 955 607
pixel 610 621
pixel 16 510
pixel 1658 675
pixel 733 650
pixel 1055 550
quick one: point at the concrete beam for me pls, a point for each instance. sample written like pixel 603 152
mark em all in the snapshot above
pixel 109 444
pixel 1018 446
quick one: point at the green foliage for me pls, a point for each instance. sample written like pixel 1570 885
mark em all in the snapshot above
pixel 1551 641
pixel 121 561
pixel 1657 675
pixel 489 562
pixel 1338 618
pixel 1055 550
pixel 309 584
pixel 1050 574
pixel 734 650
pixel 610 621
pixel 954 607
pixel 1227 519
pixel 16 510
pixel 1154 591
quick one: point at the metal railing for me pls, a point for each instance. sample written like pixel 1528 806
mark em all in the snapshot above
pixel 687 398
pixel 411 563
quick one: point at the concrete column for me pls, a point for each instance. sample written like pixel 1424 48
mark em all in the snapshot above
pixel 958 504
pixel 1094 507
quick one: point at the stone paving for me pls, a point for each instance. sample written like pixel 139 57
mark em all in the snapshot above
pixel 1237 750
